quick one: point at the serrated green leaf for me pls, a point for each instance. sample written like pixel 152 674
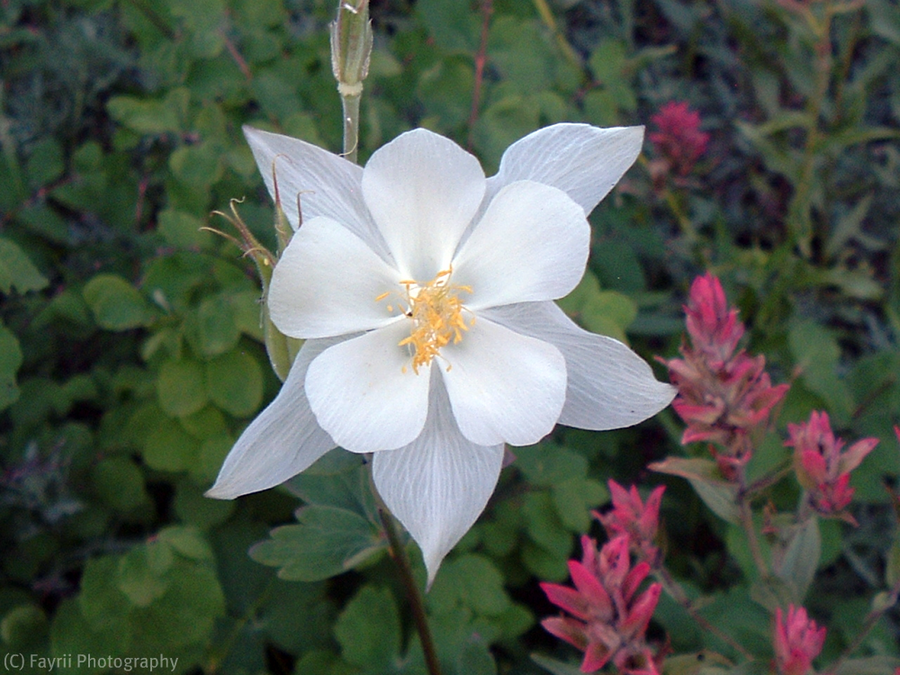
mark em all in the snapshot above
pixel 368 630
pixel 472 581
pixel 325 542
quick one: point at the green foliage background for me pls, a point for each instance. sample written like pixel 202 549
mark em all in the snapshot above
pixel 130 345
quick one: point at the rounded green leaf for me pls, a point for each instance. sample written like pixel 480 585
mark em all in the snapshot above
pixel 170 448
pixel 217 329
pixel 180 388
pixel 115 303
pixel 119 483
pixel 234 382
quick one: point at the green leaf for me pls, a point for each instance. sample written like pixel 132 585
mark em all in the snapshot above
pixel 119 483
pixel 556 667
pixel 798 564
pixel 17 271
pixel 217 330
pixel 693 664
pixel 547 464
pixel 817 354
pixel 169 447
pixel 116 304
pixel 180 387
pixel 368 630
pixel 149 116
pixel 703 474
pixel 140 581
pixel 24 627
pixel 198 165
pixel 470 580
pixel 326 542
pixel 452 23
pixel 46 163
pixel 234 382
pixel 182 230
pixel 102 603
pixel 609 313
pixel 874 665
pixel 187 541
pixel 10 360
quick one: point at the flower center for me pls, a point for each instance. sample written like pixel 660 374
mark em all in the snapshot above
pixel 436 313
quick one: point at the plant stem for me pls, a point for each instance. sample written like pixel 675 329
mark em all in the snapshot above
pixel 871 621
pixel 746 516
pixel 546 14
pixel 676 592
pixel 350 107
pixel 487 8
pixel 398 553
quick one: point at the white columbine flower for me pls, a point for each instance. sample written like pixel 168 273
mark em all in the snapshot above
pixel 425 292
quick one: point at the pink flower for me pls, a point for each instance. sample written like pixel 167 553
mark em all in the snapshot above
pixel 634 519
pixel 722 396
pixel 821 467
pixel 679 139
pixel 797 641
pixel 609 618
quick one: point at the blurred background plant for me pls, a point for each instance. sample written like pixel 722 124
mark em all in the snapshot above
pixel 131 351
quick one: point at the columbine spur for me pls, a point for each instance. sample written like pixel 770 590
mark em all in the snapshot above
pixel 425 292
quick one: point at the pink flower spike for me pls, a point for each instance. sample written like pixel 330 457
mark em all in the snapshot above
pixel 797 641
pixel 679 139
pixel 611 617
pixel 724 396
pixel 711 323
pixel 635 519
pixel 823 467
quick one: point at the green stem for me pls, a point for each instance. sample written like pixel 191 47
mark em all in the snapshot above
pixel 546 14
pixel 350 106
pixel 676 592
pixel 801 211
pixel 746 516
pixel 871 621
pixel 398 553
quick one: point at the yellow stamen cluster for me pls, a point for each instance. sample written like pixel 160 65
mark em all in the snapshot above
pixel 437 316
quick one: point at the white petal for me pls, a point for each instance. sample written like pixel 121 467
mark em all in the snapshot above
pixel 422 190
pixel 326 283
pixel 583 161
pixel 324 183
pixel 609 386
pixel 361 396
pixel 531 244
pixel 439 484
pixel 503 386
pixel 281 442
